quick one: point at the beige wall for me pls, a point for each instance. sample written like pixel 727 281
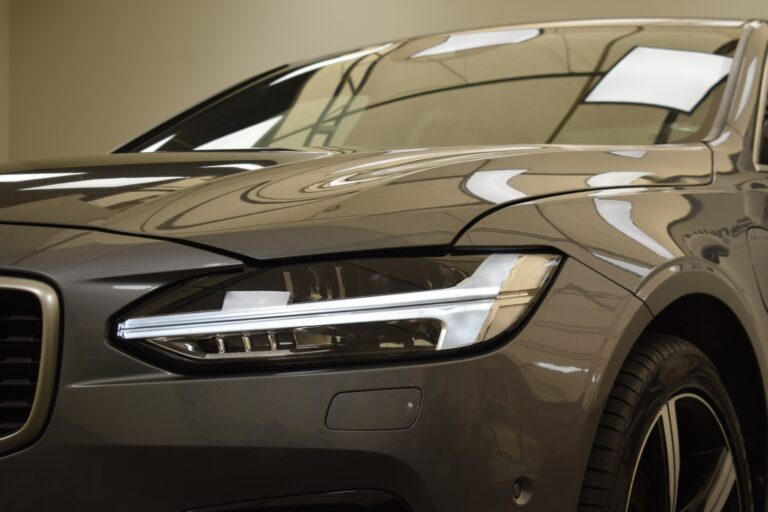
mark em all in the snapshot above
pixel 87 75
pixel 5 39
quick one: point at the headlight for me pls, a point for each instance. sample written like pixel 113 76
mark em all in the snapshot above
pixel 341 311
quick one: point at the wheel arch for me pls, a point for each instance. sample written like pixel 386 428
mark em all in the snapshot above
pixel 706 309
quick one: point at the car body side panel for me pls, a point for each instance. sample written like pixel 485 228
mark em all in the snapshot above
pixel 666 244
pixel 639 238
pixel 662 245
pixel 120 427
pixel 758 249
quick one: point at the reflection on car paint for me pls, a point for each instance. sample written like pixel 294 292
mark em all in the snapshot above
pixel 481 39
pixel 618 214
pixel 493 186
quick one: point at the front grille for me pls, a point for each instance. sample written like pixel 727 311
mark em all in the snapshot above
pixel 29 347
pixel 21 346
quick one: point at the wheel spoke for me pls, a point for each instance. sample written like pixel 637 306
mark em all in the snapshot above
pixel 685 462
pixel 714 495
pixel 721 484
pixel 671 439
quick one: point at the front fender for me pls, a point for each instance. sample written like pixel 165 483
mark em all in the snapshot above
pixel 660 245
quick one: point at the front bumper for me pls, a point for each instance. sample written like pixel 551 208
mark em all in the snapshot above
pixel 125 435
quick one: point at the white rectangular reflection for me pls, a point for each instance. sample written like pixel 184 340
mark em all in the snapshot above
pixel 19 177
pixel 472 40
pixel 245 138
pixel 243 166
pixel 104 183
pixel 157 145
pixel 493 186
pixel 675 79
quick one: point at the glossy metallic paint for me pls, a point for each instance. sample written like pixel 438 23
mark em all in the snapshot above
pixel 330 202
pixel 127 435
pixel 120 427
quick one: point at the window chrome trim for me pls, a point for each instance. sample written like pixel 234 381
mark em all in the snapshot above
pixel 46 379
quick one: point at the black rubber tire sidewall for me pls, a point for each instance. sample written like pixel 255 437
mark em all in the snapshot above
pixel 680 371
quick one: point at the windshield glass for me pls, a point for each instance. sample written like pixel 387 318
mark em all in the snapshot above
pixel 577 85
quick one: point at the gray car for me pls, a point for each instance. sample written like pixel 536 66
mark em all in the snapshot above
pixel 523 267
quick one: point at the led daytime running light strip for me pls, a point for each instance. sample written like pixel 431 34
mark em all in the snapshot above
pixel 465 310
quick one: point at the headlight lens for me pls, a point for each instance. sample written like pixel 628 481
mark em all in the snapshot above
pixel 340 311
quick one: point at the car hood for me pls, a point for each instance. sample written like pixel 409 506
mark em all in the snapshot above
pixel 277 204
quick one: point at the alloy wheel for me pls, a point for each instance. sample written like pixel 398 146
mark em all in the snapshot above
pixel 685 462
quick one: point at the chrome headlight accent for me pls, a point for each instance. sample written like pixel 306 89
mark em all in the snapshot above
pixel 352 308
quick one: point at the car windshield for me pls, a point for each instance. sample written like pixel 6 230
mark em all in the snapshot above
pixel 651 84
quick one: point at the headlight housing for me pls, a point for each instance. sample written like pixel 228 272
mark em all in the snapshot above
pixel 340 311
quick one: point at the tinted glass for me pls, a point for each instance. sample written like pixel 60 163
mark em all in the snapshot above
pixel 587 85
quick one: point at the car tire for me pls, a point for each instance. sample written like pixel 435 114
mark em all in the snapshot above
pixel 669 438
